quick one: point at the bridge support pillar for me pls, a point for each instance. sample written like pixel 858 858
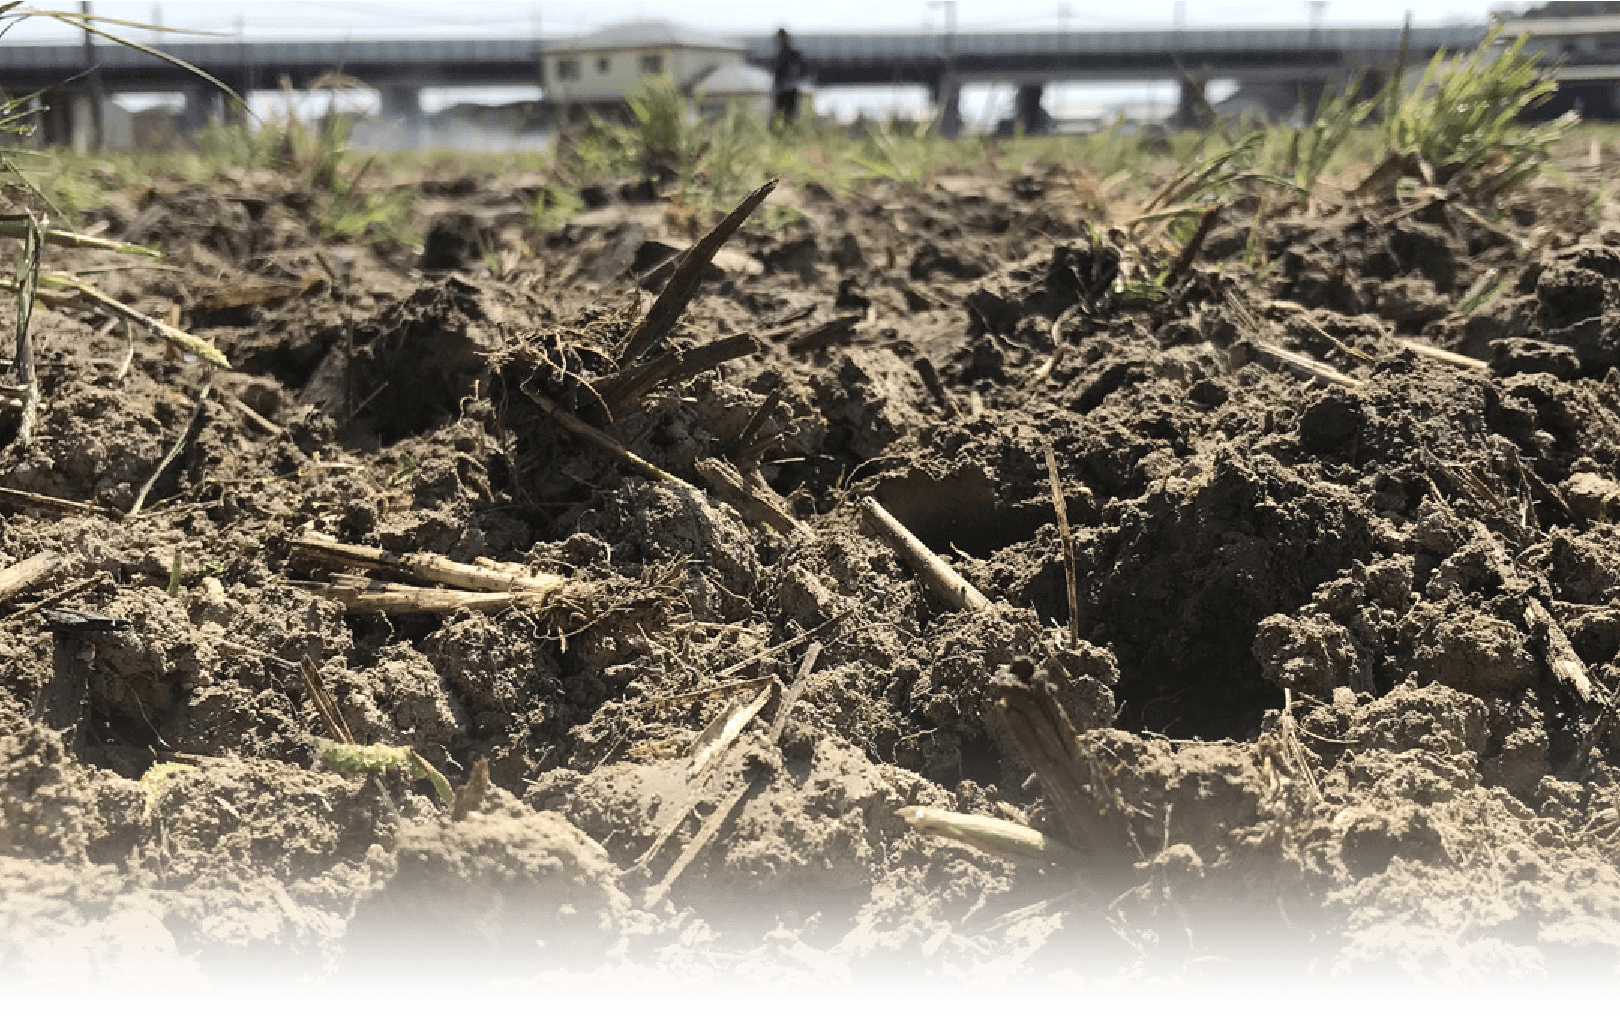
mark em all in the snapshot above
pixel 65 118
pixel 948 97
pixel 1193 110
pixel 53 115
pixel 401 104
pixel 1029 111
pixel 81 117
pixel 197 109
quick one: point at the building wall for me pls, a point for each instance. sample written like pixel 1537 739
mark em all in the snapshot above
pixel 624 70
pixel 691 64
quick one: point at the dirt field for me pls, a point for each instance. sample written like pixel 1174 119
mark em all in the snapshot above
pixel 1348 633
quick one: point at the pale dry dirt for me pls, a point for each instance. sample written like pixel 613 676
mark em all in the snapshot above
pixel 1437 804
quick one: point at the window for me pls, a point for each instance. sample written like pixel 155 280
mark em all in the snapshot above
pixel 604 65
pixel 652 63
pixel 567 70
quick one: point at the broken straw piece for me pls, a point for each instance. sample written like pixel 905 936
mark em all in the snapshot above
pixel 993 835
pixel 27 572
pixel 719 734
pixel 944 580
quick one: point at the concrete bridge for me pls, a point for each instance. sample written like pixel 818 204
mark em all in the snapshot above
pixel 1307 58
pixel 943 63
pixel 397 69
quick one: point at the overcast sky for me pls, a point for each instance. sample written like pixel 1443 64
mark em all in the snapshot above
pixel 402 18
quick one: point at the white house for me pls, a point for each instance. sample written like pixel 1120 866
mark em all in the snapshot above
pixel 719 89
pixel 599 70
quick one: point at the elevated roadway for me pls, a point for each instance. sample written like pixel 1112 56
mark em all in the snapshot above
pixel 836 59
pixel 941 62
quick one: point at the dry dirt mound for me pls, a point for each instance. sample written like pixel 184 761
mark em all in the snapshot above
pixel 1346 606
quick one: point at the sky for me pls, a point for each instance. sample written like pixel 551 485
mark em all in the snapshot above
pixel 361 19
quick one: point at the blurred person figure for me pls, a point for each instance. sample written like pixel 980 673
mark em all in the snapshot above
pixel 789 73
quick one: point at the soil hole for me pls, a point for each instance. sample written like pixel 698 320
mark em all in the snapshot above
pixel 960 511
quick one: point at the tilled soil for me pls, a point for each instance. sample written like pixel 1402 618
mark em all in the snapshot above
pixel 1347 645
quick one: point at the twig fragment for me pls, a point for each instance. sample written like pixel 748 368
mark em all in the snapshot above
pixel 1413 346
pixel 683 284
pixel 17 226
pixel 930 379
pixel 1561 656
pixel 720 734
pixel 423 567
pixel 1304 364
pixel 944 580
pixel 60 505
pixel 790 698
pixel 749 447
pixel 705 834
pixel 193 425
pixel 713 753
pixel 53 599
pixel 201 348
pixel 568 421
pixel 27 286
pixel 713 748
pixel 1062 322
pixel 1013 917
pixel 369 596
pixel 824 334
pixel 252 415
pixel 674 701
pixel 27 572
pixel 628 387
pixel 992 835
pixel 1439 355
pixel 1291 753
pixel 1075 782
pixel 1067 539
pixel 753 498
pixel 315 687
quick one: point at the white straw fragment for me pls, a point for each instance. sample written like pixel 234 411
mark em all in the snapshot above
pixel 993 835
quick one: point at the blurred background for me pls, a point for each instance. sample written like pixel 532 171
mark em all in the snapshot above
pixel 476 77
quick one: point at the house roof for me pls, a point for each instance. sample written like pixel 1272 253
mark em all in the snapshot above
pixel 642 34
pixel 734 79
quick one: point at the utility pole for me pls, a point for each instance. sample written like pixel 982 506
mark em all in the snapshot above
pixel 537 116
pixel 949 90
pixel 1318 9
pixel 950 21
pixel 93 81
pixel 244 75
pixel 534 37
